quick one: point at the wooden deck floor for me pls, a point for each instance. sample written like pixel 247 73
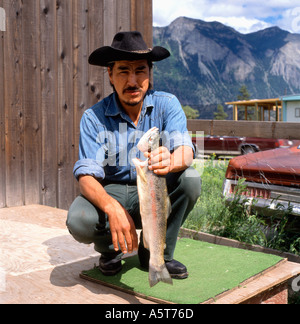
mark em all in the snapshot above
pixel 40 262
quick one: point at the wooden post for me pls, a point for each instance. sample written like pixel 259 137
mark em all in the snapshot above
pixel 256 112
pixel 2 124
pixel 48 104
pixel 81 75
pixel 235 112
pixel 31 103
pixel 65 115
pixel 277 112
pixel 13 94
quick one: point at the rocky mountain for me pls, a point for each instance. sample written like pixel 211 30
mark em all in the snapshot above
pixel 210 62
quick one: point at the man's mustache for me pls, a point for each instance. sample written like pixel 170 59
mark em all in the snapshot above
pixel 132 89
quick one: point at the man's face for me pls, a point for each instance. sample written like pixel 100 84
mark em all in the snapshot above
pixel 131 81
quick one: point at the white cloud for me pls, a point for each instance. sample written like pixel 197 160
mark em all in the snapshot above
pixel 243 15
pixel 242 24
pixel 166 11
pixel 291 20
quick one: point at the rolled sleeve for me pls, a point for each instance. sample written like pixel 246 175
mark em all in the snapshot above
pixel 91 156
pixel 88 167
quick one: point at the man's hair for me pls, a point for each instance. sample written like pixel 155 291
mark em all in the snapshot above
pixel 112 64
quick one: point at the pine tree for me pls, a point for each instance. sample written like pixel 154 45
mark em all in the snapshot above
pixel 244 93
pixel 220 114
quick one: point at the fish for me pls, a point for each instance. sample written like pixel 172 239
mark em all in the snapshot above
pixel 155 208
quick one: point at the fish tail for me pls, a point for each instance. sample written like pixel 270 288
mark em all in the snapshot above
pixel 157 275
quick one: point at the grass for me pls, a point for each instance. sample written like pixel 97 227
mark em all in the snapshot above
pixel 234 220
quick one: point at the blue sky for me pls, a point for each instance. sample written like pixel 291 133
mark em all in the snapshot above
pixel 245 16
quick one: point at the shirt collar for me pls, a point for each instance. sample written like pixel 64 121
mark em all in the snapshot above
pixel 113 108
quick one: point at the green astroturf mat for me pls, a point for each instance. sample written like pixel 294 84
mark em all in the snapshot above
pixel 213 269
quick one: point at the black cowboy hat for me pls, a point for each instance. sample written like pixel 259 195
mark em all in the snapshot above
pixel 127 46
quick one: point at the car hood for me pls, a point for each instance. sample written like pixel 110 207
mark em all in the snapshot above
pixel 279 167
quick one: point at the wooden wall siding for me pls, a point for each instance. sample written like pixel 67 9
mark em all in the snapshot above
pixel 246 128
pixel 45 86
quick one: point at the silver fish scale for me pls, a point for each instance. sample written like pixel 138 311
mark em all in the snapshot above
pixel 154 209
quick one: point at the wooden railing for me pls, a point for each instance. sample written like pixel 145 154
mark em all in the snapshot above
pixel 246 128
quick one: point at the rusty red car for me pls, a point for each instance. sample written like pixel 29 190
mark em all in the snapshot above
pixel 271 177
pixel 233 145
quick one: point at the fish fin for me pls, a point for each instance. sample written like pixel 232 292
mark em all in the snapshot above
pixel 142 175
pixel 146 245
pixel 155 276
pixel 139 168
pixel 169 206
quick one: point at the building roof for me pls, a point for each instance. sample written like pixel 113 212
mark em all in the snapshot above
pixel 291 98
pixel 253 102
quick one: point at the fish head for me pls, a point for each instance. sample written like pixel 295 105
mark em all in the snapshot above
pixel 149 141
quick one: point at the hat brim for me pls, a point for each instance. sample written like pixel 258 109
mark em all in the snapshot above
pixel 105 55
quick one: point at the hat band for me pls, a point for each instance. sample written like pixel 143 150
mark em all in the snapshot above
pixel 143 51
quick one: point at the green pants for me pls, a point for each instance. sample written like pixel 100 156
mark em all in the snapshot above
pixel 87 224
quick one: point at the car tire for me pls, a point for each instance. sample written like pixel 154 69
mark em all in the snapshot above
pixel 248 149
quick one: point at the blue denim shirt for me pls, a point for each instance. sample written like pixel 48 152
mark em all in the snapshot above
pixel 108 137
